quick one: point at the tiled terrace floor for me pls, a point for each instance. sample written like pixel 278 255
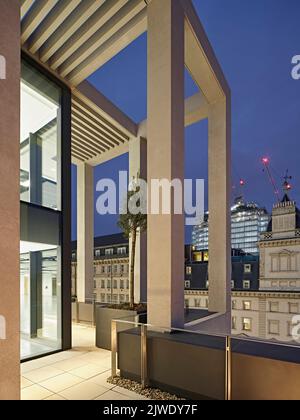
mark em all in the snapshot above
pixel 78 374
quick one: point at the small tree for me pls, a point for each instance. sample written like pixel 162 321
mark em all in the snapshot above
pixel 131 223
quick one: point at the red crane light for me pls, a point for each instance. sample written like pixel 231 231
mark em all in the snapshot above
pixel 265 160
pixel 242 182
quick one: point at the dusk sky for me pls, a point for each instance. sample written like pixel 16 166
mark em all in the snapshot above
pixel 254 41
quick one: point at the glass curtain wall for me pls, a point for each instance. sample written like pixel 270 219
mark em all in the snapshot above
pixel 41 217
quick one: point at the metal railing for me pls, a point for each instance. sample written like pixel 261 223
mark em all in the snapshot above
pixel 143 347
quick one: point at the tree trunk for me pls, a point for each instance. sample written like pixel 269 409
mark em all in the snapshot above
pixel 132 264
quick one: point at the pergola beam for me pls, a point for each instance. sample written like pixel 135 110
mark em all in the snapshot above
pixel 103 106
pixel 120 40
pixel 80 121
pixel 200 58
pixel 106 31
pixel 97 119
pixel 92 122
pixel 53 21
pixel 86 138
pixel 36 15
pixel 25 6
pixel 86 9
pixel 86 31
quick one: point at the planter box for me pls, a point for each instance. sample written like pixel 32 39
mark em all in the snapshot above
pixel 104 316
pixel 83 312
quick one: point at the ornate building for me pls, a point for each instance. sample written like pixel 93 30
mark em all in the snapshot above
pixel 280 249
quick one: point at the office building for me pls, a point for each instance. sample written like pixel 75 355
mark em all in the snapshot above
pixel 248 221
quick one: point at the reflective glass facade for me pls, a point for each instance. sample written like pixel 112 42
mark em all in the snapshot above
pixel 40 151
pixel 248 221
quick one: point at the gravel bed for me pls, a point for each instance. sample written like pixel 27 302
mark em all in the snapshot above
pixel 151 393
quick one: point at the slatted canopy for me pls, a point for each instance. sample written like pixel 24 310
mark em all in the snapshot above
pixel 72 39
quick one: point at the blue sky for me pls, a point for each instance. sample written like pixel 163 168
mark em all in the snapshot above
pixel 254 41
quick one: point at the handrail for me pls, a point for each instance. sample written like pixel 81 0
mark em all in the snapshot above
pixel 210 334
pixel 139 324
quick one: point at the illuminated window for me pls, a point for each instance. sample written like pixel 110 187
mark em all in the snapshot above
pixel 188 270
pixel 187 284
pixel 246 284
pixel 247 324
pixel 247 306
pixel 247 268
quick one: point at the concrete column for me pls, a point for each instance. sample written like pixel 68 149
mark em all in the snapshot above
pixel 165 159
pixel 219 155
pixel 10 200
pixel 138 167
pixel 85 232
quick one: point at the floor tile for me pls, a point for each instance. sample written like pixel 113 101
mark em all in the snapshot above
pixel 25 383
pixel 112 395
pixel 35 392
pixel 129 393
pixel 55 397
pixel 102 380
pixel 61 382
pixel 88 371
pixel 84 391
pixel 33 365
pixel 71 364
pixel 42 374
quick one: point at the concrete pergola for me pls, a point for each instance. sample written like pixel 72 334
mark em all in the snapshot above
pixel 72 39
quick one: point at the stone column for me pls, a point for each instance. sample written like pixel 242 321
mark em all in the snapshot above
pixel 85 231
pixel 165 160
pixel 138 167
pixel 219 154
pixel 10 200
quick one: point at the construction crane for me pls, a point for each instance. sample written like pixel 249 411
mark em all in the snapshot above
pixel 267 170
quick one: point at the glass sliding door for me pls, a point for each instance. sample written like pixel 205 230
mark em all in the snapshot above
pixel 40 300
pixel 44 157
